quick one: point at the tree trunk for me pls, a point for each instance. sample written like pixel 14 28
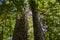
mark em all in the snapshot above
pixel 21 26
pixel 38 33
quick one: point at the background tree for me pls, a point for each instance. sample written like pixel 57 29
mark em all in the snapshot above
pixel 38 33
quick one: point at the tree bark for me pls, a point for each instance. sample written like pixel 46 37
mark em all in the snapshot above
pixel 38 33
pixel 21 29
pixel 21 26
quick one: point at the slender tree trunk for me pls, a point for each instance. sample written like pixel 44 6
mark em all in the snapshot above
pixel 38 33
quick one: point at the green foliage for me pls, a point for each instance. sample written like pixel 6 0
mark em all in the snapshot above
pixel 49 12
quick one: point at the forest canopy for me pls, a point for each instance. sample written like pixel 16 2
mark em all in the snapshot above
pixel 29 19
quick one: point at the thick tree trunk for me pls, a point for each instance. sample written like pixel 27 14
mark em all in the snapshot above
pixel 21 29
pixel 21 26
pixel 38 33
